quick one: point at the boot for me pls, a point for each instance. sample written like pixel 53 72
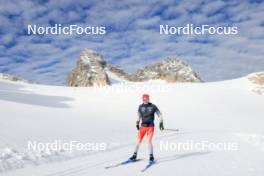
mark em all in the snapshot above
pixel 151 158
pixel 133 157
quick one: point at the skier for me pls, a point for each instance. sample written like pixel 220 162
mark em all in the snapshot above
pixel 146 112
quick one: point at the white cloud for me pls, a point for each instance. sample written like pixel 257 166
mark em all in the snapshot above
pixel 133 36
pixel 212 7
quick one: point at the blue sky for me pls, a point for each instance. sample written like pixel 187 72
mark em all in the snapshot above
pixel 132 38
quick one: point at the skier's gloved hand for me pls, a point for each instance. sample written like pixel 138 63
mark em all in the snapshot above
pixel 137 125
pixel 161 126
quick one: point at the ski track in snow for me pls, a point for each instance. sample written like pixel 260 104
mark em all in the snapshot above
pixel 227 115
pixel 88 166
pixel 85 169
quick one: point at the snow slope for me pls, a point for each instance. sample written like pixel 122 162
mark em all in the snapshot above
pixel 218 112
pixel 114 79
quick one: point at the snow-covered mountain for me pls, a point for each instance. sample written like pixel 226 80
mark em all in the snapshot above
pixel 226 112
pixel 89 71
pixel 170 69
pixel 92 70
pixel 258 80
pixel 117 74
pixel 12 78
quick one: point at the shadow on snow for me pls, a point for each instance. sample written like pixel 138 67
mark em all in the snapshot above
pixel 14 93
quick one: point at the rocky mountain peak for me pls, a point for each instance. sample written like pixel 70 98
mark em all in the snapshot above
pixel 258 80
pixel 92 69
pixel 169 69
pixel 89 71
pixel 90 56
pixel 13 78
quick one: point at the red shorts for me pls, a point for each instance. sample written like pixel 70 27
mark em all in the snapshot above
pixel 142 131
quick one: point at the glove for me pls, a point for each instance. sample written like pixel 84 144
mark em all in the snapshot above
pixel 161 126
pixel 137 125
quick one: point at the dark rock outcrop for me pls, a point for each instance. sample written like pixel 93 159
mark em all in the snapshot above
pixel 92 70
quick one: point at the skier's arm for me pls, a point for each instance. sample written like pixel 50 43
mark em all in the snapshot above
pixel 159 115
pixel 138 119
pixel 139 115
pixel 160 119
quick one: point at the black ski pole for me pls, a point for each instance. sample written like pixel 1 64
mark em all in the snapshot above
pixel 170 129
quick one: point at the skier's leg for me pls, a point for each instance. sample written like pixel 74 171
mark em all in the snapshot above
pixel 141 133
pixel 136 149
pixel 150 134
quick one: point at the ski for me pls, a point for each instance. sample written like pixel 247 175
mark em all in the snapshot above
pixel 148 166
pixel 123 163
